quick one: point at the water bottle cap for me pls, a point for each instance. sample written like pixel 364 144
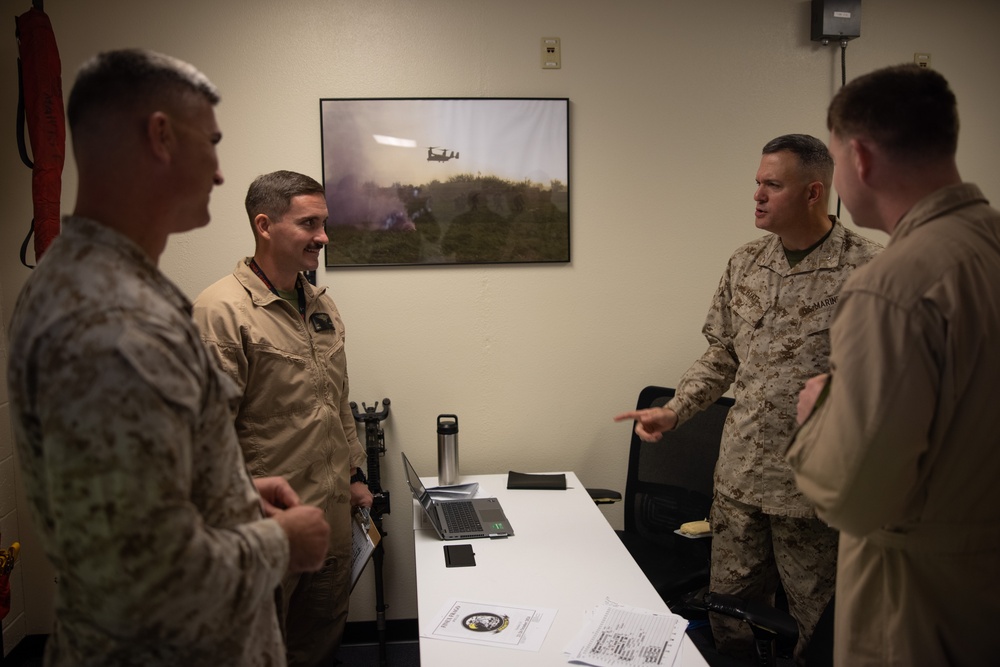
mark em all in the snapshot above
pixel 447 427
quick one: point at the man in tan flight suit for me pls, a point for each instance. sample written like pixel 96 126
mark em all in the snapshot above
pixel 282 340
pixel 902 453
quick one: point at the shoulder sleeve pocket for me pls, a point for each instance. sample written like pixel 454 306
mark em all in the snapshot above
pixel 163 364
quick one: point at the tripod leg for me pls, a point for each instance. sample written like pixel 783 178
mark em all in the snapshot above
pixel 380 606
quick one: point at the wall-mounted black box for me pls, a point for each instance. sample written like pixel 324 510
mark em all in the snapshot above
pixel 835 20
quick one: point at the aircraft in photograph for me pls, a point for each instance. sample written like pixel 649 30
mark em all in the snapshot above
pixel 443 156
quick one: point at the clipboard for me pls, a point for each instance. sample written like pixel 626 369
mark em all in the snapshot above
pixel 364 538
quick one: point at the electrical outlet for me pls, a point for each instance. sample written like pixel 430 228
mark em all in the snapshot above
pixel 551 53
pixel 922 59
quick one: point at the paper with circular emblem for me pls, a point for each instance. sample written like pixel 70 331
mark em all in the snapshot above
pixel 499 625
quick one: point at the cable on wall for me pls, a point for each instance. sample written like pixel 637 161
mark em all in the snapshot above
pixel 843 82
pixel 838 20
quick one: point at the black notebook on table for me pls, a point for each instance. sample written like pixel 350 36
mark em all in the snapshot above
pixel 458 519
pixel 522 480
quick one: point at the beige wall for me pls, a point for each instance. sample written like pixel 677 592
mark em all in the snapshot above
pixel 671 103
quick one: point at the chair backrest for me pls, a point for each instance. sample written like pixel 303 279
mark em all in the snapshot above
pixel 670 482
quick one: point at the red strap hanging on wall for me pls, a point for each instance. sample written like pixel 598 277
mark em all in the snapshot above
pixel 41 94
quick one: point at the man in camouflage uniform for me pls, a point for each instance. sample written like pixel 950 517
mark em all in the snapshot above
pixel 123 425
pixel 768 333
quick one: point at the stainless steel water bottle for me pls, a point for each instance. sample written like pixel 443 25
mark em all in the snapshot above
pixel 447 428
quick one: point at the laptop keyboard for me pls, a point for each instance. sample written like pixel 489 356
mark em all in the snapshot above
pixel 460 517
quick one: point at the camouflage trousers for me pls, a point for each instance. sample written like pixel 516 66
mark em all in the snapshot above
pixel 752 552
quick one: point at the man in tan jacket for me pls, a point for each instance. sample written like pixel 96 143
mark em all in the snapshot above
pixel 900 448
pixel 282 340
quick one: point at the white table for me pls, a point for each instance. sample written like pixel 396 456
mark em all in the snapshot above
pixel 564 555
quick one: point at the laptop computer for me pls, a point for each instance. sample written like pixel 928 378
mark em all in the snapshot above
pixel 458 519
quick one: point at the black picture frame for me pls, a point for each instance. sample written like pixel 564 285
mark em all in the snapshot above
pixel 436 181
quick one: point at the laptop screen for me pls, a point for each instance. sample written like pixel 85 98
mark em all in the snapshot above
pixel 417 487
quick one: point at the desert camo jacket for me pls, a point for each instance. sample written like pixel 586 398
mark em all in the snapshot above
pixel 125 435
pixel 768 332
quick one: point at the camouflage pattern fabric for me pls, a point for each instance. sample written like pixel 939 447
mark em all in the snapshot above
pixel 768 332
pixel 124 430
pixel 752 551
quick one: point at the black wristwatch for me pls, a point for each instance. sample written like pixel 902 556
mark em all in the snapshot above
pixel 359 477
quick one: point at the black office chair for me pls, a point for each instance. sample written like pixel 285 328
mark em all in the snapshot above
pixel 775 632
pixel 670 483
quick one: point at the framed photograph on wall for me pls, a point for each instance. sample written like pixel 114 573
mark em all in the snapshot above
pixel 446 180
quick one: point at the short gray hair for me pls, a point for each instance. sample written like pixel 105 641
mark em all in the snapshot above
pixel 128 78
pixel 814 157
